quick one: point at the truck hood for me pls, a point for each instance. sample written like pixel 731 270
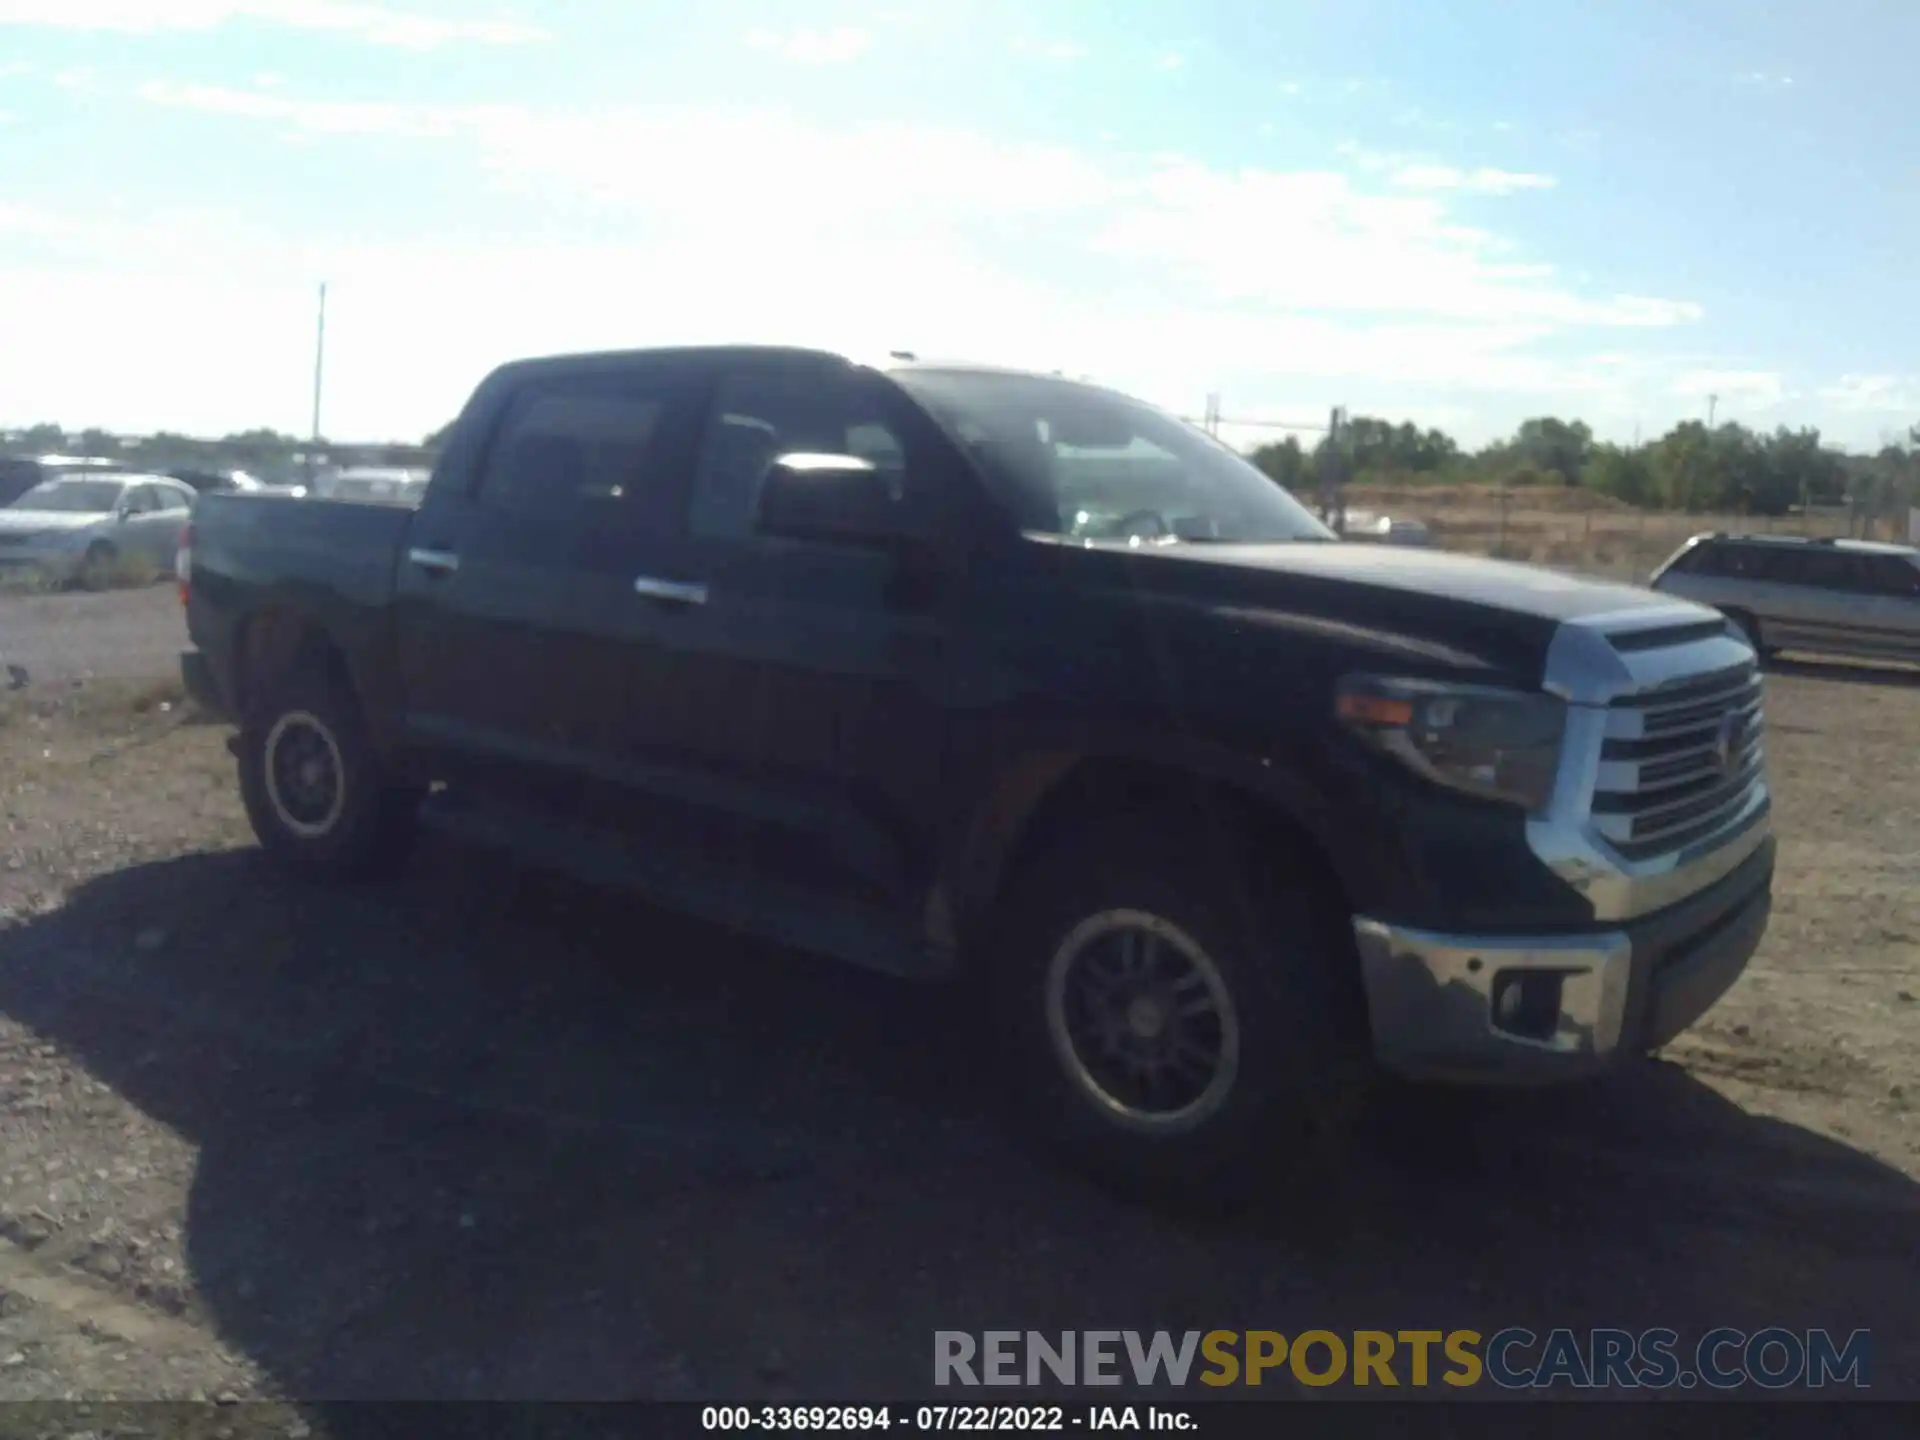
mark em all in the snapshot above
pixel 39 522
pixel 1463 611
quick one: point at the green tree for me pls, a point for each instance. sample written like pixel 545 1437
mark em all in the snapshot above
pixel 1684 468
pixel 1283 460
pixel 1548 443
pixel 1622 472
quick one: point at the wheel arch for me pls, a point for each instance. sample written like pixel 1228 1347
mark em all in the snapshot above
pixel 276 640
pixel 1041 796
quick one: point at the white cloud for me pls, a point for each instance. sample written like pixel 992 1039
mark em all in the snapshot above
pixel 1766 78
pixel 1473 182
pixel 1156 273
pixel 317 117
pixel 1875 395
pixel 814 47
pixel 374 23
pixel 1172 60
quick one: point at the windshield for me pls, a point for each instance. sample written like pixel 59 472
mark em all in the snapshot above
pixel 81 497
pixel 1073 460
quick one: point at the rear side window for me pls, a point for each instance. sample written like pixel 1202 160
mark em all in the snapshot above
pixel 1750 562
pixel 577 446
pixel 1701 559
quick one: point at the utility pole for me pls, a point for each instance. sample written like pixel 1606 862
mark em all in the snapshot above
pixel 1212 423
pixel 319 372
pixel 1713 404
pixel 1333 509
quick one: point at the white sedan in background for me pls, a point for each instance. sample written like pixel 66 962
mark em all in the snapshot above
pixel 95 530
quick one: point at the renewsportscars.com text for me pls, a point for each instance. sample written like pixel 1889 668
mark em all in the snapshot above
pixel 1514 1358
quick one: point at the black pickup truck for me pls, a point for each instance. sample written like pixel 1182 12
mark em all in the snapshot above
pixel 960 672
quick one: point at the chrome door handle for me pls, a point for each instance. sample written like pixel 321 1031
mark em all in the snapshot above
pixel 674 592
pixel 439 561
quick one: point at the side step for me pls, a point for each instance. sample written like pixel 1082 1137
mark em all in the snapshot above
pixel 682 871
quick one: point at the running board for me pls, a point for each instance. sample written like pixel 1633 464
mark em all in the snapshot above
pixel 676 874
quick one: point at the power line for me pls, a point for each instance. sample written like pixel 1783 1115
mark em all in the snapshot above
pixel 1216 419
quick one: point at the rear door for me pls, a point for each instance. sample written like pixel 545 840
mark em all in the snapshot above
pixel 516 606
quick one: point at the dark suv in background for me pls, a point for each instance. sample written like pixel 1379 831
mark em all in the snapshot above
pixel 20 473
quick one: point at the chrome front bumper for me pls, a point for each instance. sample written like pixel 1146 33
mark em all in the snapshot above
pixel 1539 1008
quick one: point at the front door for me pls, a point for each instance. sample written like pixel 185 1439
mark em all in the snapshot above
pixel 811 685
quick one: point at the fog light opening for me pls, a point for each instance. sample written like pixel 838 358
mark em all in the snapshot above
pixel 1526 1003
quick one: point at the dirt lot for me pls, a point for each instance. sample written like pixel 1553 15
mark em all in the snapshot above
pixel 1578 529
pixel 65 635
pixel 482 1134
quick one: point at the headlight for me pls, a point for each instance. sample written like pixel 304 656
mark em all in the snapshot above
pixel 1497 744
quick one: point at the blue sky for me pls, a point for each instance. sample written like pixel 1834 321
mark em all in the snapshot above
pixel 1464 214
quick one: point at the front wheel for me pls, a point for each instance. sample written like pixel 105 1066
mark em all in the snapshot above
pixel 316 791
pixel 1173 1029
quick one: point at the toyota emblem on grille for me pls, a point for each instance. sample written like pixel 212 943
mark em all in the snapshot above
pixel 1726 743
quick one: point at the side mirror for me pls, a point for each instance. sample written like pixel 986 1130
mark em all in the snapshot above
pixel 833 498
pixel 123 512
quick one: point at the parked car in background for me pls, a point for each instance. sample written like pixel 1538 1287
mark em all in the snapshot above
pixel 1386 529
pixel 1856 598
pixel 95 529
pixel 204 481
pixel 20 473
pixel 373 484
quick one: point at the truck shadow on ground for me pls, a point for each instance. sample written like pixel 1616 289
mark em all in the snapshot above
pixel 484 1135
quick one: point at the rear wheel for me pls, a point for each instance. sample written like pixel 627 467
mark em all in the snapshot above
pixel 97 568
pixel 1173 1029
pixel 316 791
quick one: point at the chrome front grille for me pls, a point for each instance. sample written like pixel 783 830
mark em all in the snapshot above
pixel 1678 764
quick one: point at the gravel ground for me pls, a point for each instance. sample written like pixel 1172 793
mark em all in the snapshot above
pixel 482 1134
pixel 64 635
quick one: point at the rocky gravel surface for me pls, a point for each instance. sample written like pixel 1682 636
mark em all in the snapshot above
pixel 483 1135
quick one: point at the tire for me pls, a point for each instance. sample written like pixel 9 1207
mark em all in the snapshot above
pixel 1287 1019
pixel 328 809
pixel 96 569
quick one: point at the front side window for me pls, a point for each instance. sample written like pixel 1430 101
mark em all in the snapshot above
pixel 1072 460
pixel 1895 576
pixel 761 414
pixel 1827 569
